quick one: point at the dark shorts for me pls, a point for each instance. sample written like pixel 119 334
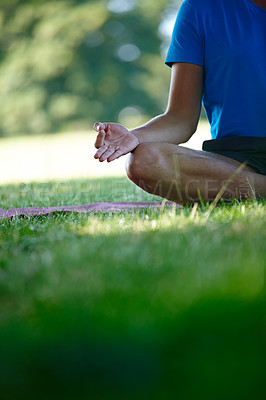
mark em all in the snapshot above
pixel 251 150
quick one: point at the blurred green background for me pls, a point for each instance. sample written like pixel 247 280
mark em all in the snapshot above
pixel 148 305
pixel 64 64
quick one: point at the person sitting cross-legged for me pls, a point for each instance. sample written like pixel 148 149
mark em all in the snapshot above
pixel 218 57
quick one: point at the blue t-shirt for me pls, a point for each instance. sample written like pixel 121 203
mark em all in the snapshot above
pixel 227 38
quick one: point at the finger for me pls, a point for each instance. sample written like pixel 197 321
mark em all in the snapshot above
pixel 115 155
pixel 107 153
pixel 98 126
pixel 100 152
pixel 99 142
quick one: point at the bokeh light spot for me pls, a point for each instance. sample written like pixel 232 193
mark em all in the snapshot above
pixel 128 52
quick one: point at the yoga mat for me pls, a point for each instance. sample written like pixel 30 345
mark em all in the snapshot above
pixel 87 208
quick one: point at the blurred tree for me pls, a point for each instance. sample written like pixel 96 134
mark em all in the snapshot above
pixel 64 64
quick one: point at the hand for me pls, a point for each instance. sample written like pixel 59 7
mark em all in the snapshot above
pixel 113 141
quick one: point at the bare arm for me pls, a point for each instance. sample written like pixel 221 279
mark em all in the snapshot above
pixel 180 120
pixel 176 125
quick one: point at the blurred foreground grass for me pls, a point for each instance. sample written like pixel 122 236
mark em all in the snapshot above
pixel 147 304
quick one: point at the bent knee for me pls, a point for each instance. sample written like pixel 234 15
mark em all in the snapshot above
pixel 142 161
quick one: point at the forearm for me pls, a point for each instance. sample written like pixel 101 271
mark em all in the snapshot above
pixel 165 128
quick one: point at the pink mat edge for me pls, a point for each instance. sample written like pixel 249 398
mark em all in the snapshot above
pixel 89 208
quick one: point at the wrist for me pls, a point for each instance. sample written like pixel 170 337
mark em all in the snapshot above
pixel 135 135
pixel 135 141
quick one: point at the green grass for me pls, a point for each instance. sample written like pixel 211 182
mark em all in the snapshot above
pixel 151 304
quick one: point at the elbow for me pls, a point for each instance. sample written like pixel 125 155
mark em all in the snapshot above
pixel 186 126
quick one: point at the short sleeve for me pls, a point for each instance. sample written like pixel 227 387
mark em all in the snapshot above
pixel 186 43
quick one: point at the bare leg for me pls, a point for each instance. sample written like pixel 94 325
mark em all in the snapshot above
pixel 184 175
